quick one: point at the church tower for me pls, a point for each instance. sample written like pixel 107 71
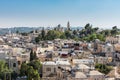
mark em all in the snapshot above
pixel 68 26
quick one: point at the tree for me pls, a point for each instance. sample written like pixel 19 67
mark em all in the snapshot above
pixel 114 30
pixel 67 34
pixel 92 37
pixel 114 27
pixel 36 64
pixel 75 32
pixel 14 75
pixel 87 26
pixel 32 55
pixel 62 36
pixel 42 34
pixel 76 38
pixel 31 70
pixel 81 33
pixel 3 69
pixel 96 28
pixel 103 68
pixel 36 75
pixel 32 74
pixel 37 39
pixel 36 31
pixel 23 69
pixel 31 31
pixel 17 32
pixel 106 32
pixel 53 34
pixel 24 34
pixel 101 37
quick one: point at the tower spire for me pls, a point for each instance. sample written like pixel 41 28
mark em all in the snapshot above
pixel 68 25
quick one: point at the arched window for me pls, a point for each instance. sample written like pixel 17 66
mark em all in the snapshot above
pixel 14 64
pixel 19 62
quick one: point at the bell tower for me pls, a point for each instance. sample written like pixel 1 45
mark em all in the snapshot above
pixel 68 25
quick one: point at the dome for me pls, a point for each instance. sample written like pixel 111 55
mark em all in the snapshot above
pixel 97 40
pixel 108 44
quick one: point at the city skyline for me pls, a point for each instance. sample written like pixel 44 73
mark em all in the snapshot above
pixel 18 13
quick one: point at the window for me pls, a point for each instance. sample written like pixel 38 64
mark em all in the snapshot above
pixel 19 62
pixel 24 56
pixel 109 49
pixel 14 64
pixel 54 69
pixel 48 69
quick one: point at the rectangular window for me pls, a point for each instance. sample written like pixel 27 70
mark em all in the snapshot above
pixel 14 64
pixel 54 69
pixel 48 69
pixel 109 49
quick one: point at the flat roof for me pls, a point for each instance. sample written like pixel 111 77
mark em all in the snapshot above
pixel 49 63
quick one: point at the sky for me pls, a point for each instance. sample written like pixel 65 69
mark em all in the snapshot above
pixel 23 13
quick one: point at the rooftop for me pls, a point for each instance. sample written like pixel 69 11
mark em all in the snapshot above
pixel 94 72
pixel 80 75
pixel 49 63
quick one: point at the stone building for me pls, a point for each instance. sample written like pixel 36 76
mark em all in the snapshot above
pixel 49 69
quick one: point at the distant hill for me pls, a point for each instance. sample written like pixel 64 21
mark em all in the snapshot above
pixel 75 28
pixel 20 29
pixel 28 29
